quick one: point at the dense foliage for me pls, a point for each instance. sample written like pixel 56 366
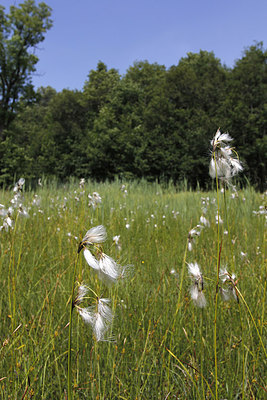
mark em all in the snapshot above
pixel 20 32
pixel 163 345
pixel 152 123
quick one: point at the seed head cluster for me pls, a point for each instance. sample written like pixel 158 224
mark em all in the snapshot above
pixel 100 315
pixel 224 165
pixel 224 162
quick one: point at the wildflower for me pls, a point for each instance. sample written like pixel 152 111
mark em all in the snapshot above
pixel 81 293
pixel 229 282
pixel 219 139
pixel 99 317
pixel 222 168
pixel 7 222
pixel 191 236
pixel 218 219
pixel 175 213
pixel 3 211
pixel 204 221
pixel 22 211
pixel 106 267
pixel 19 185
pixel 196 290
pixel 82 183
pixel 223 163
pixel 36 200
pixel 97 234
pixel 110 269
pixel 97 198
pixel 17 199
pixel 91 260
pixel 116 240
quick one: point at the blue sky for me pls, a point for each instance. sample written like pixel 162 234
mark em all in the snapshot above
pixel 119 32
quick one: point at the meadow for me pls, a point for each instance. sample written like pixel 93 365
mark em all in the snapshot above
pixel 162 343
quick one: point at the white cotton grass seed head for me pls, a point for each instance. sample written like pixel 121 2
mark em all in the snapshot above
pixel 110 271
pixel 81 294
pixel 198 297
pixel 22 211
pixel 96 234
pixel 116 240
pixel 236 166
pixel 109 267
pixel 190 245
pixel 103 319
pixel 228 290
pixel 91 260
pixel 224 163
pixel 196 290
pixel 204 221
pixel 223 274
pixel 194 270
pixel 218 219
pixel 19 185
pixel 220 139
pixel 99 317
pixel 86 315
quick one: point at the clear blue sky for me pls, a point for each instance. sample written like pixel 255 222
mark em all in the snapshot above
pixel 119 32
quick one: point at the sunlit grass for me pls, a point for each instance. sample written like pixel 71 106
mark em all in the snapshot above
pixel 163 344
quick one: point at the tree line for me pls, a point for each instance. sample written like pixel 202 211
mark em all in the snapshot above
pixel 153 122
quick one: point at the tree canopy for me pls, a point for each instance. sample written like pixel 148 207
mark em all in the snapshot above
pixel 21 30
pixel 152 122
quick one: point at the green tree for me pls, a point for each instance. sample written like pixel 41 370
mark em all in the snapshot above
pixel 245 111
pixel 27 143
pixel 20 32
pixel 116 134
pixel 196 90
pixel 99 87
pixel 66 133
pixel 120 140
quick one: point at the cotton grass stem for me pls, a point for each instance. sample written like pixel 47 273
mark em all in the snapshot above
pixel 70 330
pixel 181 281
pixel 217 282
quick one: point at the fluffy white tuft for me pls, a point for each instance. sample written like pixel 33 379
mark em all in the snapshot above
pixel 90 259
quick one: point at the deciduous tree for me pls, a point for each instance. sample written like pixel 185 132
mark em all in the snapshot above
pixel 21 30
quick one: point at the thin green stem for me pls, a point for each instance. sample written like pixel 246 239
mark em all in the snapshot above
pixel 70 330
pixel 253 320
pixel 178 305
pixel 217 283
pixel 243 353
pixel 201 355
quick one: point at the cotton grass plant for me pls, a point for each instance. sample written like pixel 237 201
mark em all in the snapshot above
pixel 99 315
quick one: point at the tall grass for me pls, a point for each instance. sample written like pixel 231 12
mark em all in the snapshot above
pixel 164 344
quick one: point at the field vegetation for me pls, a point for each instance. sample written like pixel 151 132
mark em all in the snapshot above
pixel 163 342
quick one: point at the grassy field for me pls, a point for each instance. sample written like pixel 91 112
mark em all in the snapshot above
pixel 164 346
